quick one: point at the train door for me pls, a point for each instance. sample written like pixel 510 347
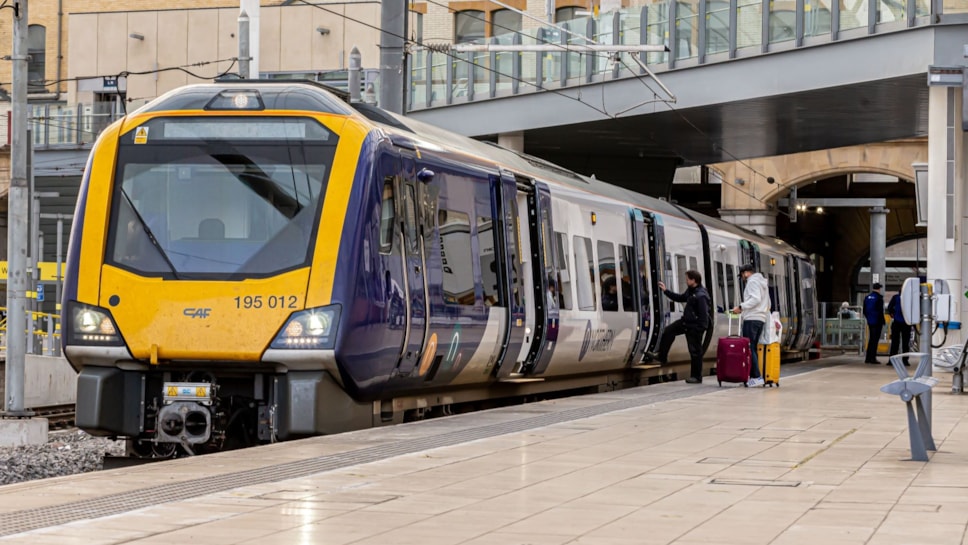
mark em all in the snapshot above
pixel 415 266
pixel 510 270
pixel 648 239
pixel 546 287
pixel 793 303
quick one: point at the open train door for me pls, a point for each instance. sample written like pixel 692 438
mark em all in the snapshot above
pixel 648 238
pixel 509 267
pixel 415 265
pixel 546 285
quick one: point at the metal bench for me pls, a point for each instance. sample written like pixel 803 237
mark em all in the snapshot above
pixel 952 359
pixel 910 389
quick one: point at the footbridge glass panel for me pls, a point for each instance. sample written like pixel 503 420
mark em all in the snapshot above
pixel 693 31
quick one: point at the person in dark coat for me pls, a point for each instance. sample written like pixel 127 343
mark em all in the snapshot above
pixel 874 314
pixel 900 330
pixel 694 321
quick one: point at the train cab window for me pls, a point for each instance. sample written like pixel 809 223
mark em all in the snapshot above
pixel 489 273
pixel 563 271
pixel 585 273
pixel 387 215
pixel 625 278
pixel 730 286
pixel 263 180
pixel 455 257
pixel 607 276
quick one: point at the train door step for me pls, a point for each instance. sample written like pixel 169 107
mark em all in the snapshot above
pixel 646 366
pixel 519 379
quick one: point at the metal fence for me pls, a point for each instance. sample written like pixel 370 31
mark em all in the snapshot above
pixel 843 328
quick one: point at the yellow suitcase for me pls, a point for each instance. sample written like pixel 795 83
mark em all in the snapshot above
pixel 769 363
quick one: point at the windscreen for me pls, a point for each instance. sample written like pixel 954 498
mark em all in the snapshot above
pixel 219 197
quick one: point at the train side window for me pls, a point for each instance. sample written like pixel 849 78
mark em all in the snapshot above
pixel 585 273
pixel 693 264
pixel 720 287
pixel 681 276
pixel 387 217
pixel 626 257
pixel 489 276
pixel 730 286
pixel 773 293
pixel 606 274
pixel 455 257
pixel 564 274
pixel 410 219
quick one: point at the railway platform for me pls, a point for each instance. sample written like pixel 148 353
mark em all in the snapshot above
pixel 822 459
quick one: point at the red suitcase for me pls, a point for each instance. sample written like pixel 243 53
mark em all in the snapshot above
pixel 733 357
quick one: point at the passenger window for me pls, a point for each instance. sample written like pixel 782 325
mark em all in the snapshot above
pixel 410 212
pixel 730 287
pixel 489 274
pixel 681 277
pixel 585 272
pixel 564 274
pixel 387 215
pixel 693 263
pixel 720 287
pixel 455 257
pixel 606 274
pixel 625 283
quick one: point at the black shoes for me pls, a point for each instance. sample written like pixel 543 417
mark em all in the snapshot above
pixel 874 362
pixel 654 357
pixel 693 380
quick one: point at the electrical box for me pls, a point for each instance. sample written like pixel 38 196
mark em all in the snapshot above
pixel 911 300
pixel 944 308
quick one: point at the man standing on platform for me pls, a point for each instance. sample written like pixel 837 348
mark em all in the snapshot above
pixel 874 313
pixel 900 330
pixel 755 310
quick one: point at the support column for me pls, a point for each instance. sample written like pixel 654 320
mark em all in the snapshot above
pixel 762 222
pixel 513 141
pixel 878 245
pixel 946 176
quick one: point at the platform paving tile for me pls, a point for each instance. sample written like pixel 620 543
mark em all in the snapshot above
pixel 821 460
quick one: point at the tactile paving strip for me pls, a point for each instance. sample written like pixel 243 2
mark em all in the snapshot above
pixel 31 519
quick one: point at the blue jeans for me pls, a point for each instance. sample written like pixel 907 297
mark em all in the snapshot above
pixel 752 329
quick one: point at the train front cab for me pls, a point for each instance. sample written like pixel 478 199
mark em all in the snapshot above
pixel 198 302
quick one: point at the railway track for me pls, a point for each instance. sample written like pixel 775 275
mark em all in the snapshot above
pixel 58 416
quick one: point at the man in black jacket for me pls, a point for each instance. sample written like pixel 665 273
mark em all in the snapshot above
pixel 695 320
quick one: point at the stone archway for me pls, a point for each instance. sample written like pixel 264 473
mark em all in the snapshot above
pixel 746 186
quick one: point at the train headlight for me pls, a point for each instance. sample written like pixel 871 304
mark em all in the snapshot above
pixel 91 325
pixel 310 329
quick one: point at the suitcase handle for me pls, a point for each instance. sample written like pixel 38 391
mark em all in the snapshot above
pixel 729 324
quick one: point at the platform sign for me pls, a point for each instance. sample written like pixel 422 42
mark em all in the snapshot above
pixel 40 293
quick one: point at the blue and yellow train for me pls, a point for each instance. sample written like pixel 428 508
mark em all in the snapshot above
pixel 256 261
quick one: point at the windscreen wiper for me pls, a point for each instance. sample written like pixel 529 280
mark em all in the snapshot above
pixel 149 234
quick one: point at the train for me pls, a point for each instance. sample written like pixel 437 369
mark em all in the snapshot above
pixel 255 261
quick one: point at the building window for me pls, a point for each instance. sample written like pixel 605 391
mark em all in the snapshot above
pixel 37 65
pixel 469 27
pixel 505 21
pixel 567 14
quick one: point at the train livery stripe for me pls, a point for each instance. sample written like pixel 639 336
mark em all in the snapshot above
pixel 329 238
pixel 96 214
